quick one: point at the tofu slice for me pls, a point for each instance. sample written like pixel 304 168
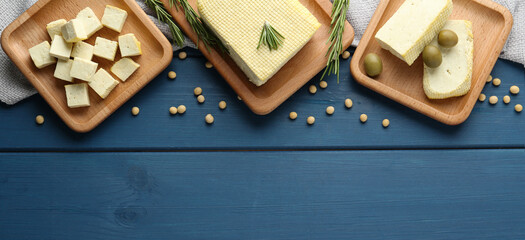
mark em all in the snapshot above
pixel 102 83
pixel 413 27
pixel 83 69
pixel 55 28
pixel 239 27
pixel 63 70
pixel 77 95
pixel 124 68
pixel 114 18
pixel 129 45
pixel 40 55
pixel 60 48
pixel 105 48
pixel 90 21
pixel 453 78
pixel 73 31
pixel 82 50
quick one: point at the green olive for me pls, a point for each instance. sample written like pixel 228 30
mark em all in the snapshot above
pixel 432 56
pixel 447 38
pixel 373 65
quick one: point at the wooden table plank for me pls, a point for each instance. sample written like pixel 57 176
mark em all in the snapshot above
pixel 238 128
pixel 453 194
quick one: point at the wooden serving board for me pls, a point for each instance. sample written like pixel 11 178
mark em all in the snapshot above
pixel 30 29
pixel 296 73
pixel 402 83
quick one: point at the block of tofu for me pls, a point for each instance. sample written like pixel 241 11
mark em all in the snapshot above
pixel 239 27
pixel 114 18
pixel 77 95
pixel 129 45
pixel 55 28
pixel 90 21
pixel 73 31
pixel 82 50
pixel 453 77
pixel 40 55
pixel 102 83
pixel 105 48
pixel 413 27
pixel 60 48
pixel 124 68
pixel 63 70
pixel 83 69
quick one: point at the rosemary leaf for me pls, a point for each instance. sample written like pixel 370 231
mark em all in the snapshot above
pixel 337 27
pixel 164 16
pixel 270 37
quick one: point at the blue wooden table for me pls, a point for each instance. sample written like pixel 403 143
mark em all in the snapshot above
pixel 157 176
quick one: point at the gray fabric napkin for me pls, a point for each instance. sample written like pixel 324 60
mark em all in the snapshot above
pixel 14 87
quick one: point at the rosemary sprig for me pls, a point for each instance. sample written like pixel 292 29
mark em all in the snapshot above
pixel 337 27
pixel 270 37
pixel 164 16
pixel 204 34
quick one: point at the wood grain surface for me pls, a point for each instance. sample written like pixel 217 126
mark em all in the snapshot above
pixel 295 74
pixel 458 194
pixel 491 26
pixel 30 29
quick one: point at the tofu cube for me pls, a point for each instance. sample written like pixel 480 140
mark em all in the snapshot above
pixel 60 48
pixel 40 55
pixel 82 50
pixel 124 68
pixel 102 83
pixel 77 95
pixel 90 21
pixel 83 69
pixel 129 45
pixel 105 48
pixel 114 18
pixel 55 28
pixel 63 70
pixel 73 31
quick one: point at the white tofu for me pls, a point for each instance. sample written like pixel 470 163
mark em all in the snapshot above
pixel 82 50
pixel 63 70
pixel 55 28
pixel 77 95
pixel 102 83
pixel 83 69
pixel 129 45
pixel 114 18
pixel 105 48
pixel 73 31
pixel 40 55
pixel 124 68
pixel 90 21
pixel 60 48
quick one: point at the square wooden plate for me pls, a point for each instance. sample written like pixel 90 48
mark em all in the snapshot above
pixel 491 26
pixel 295 74
pixel 30 29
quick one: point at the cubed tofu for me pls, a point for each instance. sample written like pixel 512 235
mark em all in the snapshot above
pixel 83 69
pixel 129 45
pixel 90 21
pixel 60 48
pixel 77 95
pixel 55 28
pixel 102 83
pixel 124 68
pixel 82 50
pixel 40 55
pixel 114 18
pixel 74 31
pixel 63 70
pixel 105 48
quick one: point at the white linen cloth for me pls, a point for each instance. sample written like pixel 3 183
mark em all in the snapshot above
pixel 14 87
